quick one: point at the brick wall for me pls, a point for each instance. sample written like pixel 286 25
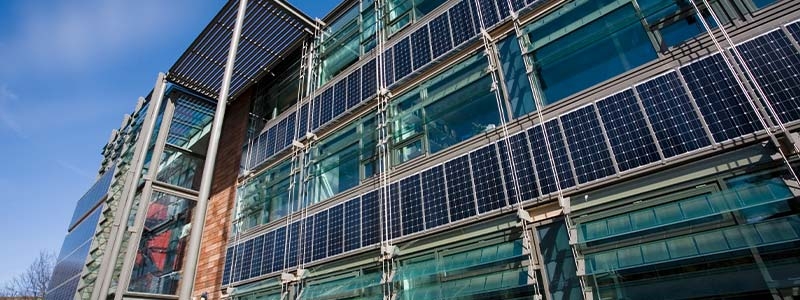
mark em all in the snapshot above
pixel 221 203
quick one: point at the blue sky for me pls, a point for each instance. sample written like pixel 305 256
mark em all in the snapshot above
pixel 69 70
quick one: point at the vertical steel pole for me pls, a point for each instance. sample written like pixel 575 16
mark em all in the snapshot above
pixel 109 259
pixel 199 218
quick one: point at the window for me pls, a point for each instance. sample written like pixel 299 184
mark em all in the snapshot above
pixel 347 38
pixel 264 198
pixel 400 13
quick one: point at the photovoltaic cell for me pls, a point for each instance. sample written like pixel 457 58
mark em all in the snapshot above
pixel 316 105
pixel 261 152
pixel 352 224
pixel 488 181
pixel 320 243
pixel 675 122
pixel 308 239
pixel 503 9
pixel 721 101
pixel 523 165
pixel 459 188
pixel 226 269
pixel 353 89
pixel 411 193
pixel 541 158
pixel 517 4
pixel 776 65
pixel 290 134
pixel 627 130
pixel 402 59
pixel 440 30
pixel 267 253
pixel 370 216
pixel 587 145
pixel 388 70
pixel 293 235
pixel 435 195
pixel 237 263
pixel 335 230
pixel 280 135
pixel 271 133
pixel 394 211
pixel 462 30
pixel 340 97
pixel 327 107
pixel 794 30
pixel 420 40
pixel 488 13
pixel 368 82
pixel 303 122
pixel 279 249
pixel 258 250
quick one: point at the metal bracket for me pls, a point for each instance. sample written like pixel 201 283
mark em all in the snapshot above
pixel 297 144
pixel 389 252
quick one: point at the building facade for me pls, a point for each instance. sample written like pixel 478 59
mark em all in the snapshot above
pixel 460 149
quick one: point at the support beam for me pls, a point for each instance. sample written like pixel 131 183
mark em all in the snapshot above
pixel 199 218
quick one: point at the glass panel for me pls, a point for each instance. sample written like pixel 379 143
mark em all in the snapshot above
pixel 516 77
pixel 264 198
pixel 558 261
pixel 180 168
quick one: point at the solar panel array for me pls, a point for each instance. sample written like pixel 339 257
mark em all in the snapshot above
pixel 72 257
pixel 669 115
pixel 92 197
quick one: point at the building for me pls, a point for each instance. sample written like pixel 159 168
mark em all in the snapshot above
pixel 459 149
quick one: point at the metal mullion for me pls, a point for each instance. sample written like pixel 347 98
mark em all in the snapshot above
pixel 184 151
pixel 173 190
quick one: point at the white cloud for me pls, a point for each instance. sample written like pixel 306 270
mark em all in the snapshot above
pixel 7 100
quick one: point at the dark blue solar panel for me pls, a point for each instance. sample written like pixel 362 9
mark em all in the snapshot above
pixel 335 230
pixel 503 9
pixel 320 243
pixel 92 197
pixel 237 263
pixel 258 250
pixel 394 211
pixel 794 30
pixel 402 59
pixel 675 122
pixel 776 65
pixel 388 63
pixel 627 131
pixel 462 31
pixel 327 107
pixel 353 89
pixel 488 180
pixel 474 17
pixel 293 256
pixel 308 239
pixel 267 253
pixel 587 145
pixel 279 249
pixel 517 4
pixel 721 101
pixel 544 170
pixel 411 193
pixel 459 188
pixel 302 124
pixel 370 218
pixel 316 111
pixel 271 133
pixel 352 224
pixel 523 165
pixel 247 259
pixel 261 147
pixel 290 134
pixel 440 30
pixel 421 42
pixel 435 195
pixel 368 80
pixel 226 269
pixel 280 135
pixel 340 97
pixel 489 12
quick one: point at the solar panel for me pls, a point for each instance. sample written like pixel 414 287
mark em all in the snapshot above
pixel 316 111
pixel 303 122
pixel 388 63
pixel 370 218
pixel 271 133
pixel 280 135
pixel 339 97
pixel 368 82
pixel 517 4
pixel 488 13
pixel 238 263
pixel 721 101
pixel 320 243
pixel 544 170
pixel 226 269
pixel 335 230
pixel 776 65
pixel 675 122
pixel 627 130
pixel 279 249
pixel 411 198
pixel 459 188
pixel 402 59
pixel 290 134
pixel 394 211
pixel 258 250
pixel 794 30
pixel 261 149
pixel 523 165
pixel 353 90
pixel 421 42
pixel 587 145
pixel 327 107
pixel 440 30
pixel 503 9
pixel 435 195
pixel 292 257
pixel 462 31
pixel 352 224
pixel 308 239
pixel 267 253
pixel 488 180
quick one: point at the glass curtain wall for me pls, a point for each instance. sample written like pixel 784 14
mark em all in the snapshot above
pixel 400 13
pixel 347 38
